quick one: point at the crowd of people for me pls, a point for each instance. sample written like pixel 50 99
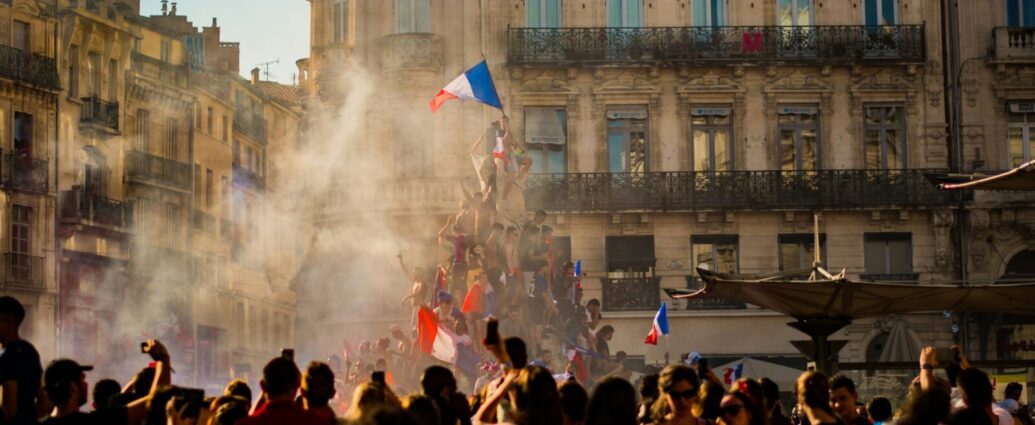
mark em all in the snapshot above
pixel 525 349
pixel 521 393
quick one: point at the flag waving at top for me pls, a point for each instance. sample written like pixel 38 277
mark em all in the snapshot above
pixel 474 84
pixel 660 326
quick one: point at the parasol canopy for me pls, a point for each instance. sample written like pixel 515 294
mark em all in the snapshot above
pixel 1021 178
pixel 839 298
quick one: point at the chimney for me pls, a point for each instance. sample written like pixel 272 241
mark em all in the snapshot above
pixel 165 7
pixel 214 23
pixel 255 76
pixel 173 12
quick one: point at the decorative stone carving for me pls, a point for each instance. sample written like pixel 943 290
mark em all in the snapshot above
pixel 943 221
pixel 979 229
pixel 798 81
pixel 933 82
pixel 543 82
pixel 411 51
pixel 969 82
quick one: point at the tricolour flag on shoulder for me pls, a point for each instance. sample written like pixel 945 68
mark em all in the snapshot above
pixel 659 327
pixel 474 84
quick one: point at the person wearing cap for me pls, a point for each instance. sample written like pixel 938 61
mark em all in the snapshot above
pixel 20 368
pixel 65 383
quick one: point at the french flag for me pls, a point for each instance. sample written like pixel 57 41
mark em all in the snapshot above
pixel 733 374
pixel 438 341
pixel 660 326
pixel 474 84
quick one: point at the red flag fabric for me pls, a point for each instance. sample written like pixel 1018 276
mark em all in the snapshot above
pixel 427 329
pixel 473 300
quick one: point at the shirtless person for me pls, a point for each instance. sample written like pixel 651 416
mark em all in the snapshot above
pixel 419 292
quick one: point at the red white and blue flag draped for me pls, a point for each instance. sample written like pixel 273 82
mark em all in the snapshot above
pixel 474 84
pixel 436 340
pixel 660 325
pixel 733 374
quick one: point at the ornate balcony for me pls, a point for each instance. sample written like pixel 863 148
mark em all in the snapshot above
pixel 631 294
pixel 734 190
pixel 672 46
pixel 1012 44
pixel 204 222
pixel 30 68
pixel 79 206
pixel 247 178
pixel 896 278
pixel 23 172
pixel 147 168
pixel 22 272
pixel 411 51
pixel 251 124
pixel 100 112
pixel 421 195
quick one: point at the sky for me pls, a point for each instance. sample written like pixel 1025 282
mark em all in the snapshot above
pixel 268 30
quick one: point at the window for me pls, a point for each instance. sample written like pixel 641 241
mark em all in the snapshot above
pixel 170 138
pixel 798 251
pixel 23 135
pixel 1019 132
pixel 546 135
pixel 96 74
pixel 714 252
pixel 885 137
pixel 630 256
pixel 113 80
pixel 711 131
pixel 625 13
pixel 209 182
pixel 237 152
pixel 340 13
pixel 799 138
pixel 197 116
pixel 21 234
pixel 21 229
pixel 226 128
pixel 241 325
pixel 1020 13
pixel 795 13
pixel 224 186
pixel 543 13
pixel 172 222
pixel 888 253
pixel 166 50
pixel 208 122
pixel 22 32
pixel 73 71
pixel 197 185
pixel 412 16
pixel 709 13
pixel 143 130
pixel 627 139
pixel 880 12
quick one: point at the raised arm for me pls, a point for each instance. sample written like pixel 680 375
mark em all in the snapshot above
pixel 474 147
pixel 449 223
pixel 137 410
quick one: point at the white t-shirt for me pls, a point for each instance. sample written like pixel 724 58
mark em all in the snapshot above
pixel 1004 416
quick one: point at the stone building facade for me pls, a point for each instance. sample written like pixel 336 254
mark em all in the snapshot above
pixel 670 135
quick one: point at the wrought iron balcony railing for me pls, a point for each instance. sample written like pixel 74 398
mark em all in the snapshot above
pixel 251 124
pixel 31 68
pixel 247 178
pixel 631 294
pixel 142 166
pixel 23 172
pixel 22 271
pixel 894 277
pixel 667 46
pixel 734 190
pixel 76 204
pixel 100 112
pixel 204 222
pixel 1011 43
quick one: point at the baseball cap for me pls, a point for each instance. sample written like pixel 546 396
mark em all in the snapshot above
pixel 62 372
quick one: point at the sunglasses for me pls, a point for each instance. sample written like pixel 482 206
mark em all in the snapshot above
pixel 688 394
pixel 731 409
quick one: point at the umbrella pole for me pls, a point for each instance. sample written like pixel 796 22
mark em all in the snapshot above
pixel 819 330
